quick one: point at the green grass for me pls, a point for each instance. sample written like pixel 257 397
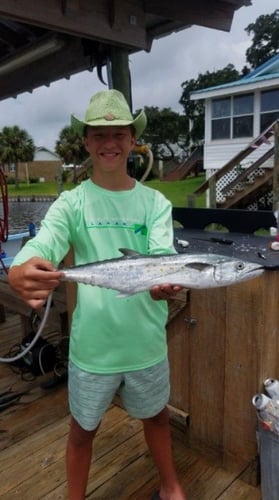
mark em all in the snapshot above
pixel 176 191
pixel 42 188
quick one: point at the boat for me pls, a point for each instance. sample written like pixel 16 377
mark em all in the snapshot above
pixel 11 247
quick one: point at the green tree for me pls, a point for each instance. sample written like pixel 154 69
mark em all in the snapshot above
pixel 194 110
pixel 70 148
pixel 165 128
pixel 265 39
pixel 16 146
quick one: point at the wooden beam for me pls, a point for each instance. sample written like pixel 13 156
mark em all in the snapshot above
pixel 121 22
pixel 212 14
pixel 84 18
pixel 63 64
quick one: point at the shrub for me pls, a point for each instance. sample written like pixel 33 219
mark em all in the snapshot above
pixel 10 180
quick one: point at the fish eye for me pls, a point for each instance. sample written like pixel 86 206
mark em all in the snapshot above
pixel 239 266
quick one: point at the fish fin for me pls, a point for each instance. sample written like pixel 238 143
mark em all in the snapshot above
pixel 199 266
pixel 127 252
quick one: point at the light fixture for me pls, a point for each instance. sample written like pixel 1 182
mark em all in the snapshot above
pixel 30 55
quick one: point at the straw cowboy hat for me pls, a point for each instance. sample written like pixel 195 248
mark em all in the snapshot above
pixel 109 108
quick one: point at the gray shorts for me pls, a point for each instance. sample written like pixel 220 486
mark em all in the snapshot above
pixel 144 393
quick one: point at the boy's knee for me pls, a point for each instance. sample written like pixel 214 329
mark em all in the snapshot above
pixel 161 418
pixel 79 436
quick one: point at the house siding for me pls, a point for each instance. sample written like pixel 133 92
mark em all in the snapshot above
pixel 46 170
pixel 218 153
pixel 45 155
pixel 44 167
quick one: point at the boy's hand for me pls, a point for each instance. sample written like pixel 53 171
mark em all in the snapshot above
pixel 164 292
pixel 34 280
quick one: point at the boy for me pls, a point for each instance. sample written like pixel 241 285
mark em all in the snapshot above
pixel 115 344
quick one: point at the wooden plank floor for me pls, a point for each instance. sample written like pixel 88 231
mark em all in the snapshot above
pixel 33 436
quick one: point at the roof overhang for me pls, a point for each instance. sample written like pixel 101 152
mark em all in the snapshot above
pixel 44 41
pixel 233 89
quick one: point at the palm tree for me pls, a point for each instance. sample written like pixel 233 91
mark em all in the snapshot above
pixel 70 148
pixel 16 146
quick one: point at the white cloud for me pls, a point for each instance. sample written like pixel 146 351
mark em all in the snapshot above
pixel 156 76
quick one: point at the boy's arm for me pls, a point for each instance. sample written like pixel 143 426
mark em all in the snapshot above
pixel 34 280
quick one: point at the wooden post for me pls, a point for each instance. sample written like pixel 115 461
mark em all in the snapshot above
pixel 120 72
pixel 212 191
pixel 59 180
pixel 276 168
pixel 191 201
pixel 161 170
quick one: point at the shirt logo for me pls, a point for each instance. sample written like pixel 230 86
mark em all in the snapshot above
pixel 118 224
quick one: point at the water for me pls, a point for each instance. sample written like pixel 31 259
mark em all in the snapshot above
pixel 22 213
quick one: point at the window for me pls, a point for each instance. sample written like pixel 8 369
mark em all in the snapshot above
pixel 11 167
pixel 221 111
pixel 269 107
pixel 243 107
pixel 232 117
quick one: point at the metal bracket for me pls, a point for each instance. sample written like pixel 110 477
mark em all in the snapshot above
pixel 190 321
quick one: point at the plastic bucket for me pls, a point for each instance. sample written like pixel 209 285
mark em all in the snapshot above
pixel 269 461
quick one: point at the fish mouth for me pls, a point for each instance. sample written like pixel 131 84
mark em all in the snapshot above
pixel 256 269
pixel 240 273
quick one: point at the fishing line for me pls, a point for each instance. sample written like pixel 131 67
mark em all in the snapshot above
pixel 33 342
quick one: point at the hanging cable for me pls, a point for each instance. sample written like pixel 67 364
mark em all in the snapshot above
pixel 4 225
pixel 144 149
pixel 4 231
pixel 33 342
pixel 4 220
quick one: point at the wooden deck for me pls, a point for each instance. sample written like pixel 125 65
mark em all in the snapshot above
pixel 33 436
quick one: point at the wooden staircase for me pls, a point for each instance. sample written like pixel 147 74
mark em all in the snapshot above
pixel 251 184
pixel 187 167
pixel 246 193
pixel 85 171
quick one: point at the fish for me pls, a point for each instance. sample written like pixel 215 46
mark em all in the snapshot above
pixel 135 272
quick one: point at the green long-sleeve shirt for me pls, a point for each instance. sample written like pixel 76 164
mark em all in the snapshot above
pixel 109 334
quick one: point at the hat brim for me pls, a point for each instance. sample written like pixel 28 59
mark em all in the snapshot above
pixel 139 123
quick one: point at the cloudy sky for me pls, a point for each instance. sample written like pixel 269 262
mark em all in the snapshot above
pixel 156 76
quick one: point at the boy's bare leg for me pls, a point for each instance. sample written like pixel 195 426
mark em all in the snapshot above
pixel 78 459
pixel 158 439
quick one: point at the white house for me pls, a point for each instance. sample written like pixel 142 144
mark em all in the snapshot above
pixel 44 154
pixel 44 166
pixel 238 112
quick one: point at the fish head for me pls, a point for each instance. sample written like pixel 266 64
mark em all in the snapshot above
pixel 235 271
